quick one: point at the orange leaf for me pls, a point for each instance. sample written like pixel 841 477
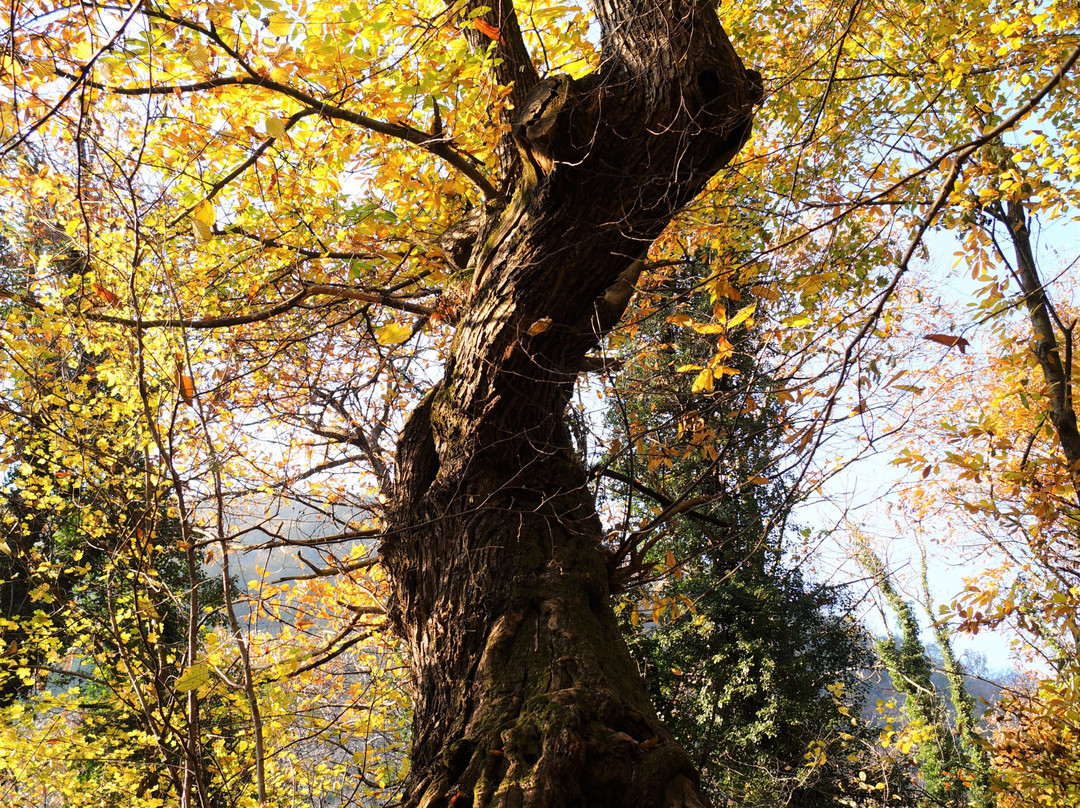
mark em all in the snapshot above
pixel 187 389
pixel 540 326
pixel 948 341
pixel 488 30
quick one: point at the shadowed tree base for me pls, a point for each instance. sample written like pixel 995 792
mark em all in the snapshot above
pixel 525 692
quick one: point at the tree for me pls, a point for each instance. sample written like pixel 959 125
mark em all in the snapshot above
pixel 494 546
pixel 761 687
pixel 1008 473
pixel 524 692
pixel 296 227
pixel 102 604
pixel 951 762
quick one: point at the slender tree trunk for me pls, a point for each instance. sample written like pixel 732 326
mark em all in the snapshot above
pixel 524 692
pixel 1055 363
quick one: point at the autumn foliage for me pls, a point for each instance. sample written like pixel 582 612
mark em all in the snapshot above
pixel 234 243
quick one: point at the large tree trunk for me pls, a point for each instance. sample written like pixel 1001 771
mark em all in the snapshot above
pixel 524 692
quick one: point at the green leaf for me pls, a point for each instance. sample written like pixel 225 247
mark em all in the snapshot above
pixel 193 676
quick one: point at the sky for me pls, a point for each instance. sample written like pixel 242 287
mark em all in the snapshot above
pixel 860 496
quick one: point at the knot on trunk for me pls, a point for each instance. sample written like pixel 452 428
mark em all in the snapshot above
pixel 536 129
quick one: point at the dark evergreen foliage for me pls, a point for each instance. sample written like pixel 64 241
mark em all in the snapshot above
pixel 765 672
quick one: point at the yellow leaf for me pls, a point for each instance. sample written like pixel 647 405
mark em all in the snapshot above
pixel 203 231
pixel 742 315
pixel 275 126
pixel 198 55
pixel 703 383
pixel 204 212
pixel 192 677
pixel 392 333
pixel 278 23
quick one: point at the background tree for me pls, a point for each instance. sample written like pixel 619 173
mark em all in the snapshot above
pixel 754 669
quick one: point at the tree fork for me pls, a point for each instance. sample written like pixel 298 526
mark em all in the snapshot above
pixel 523 689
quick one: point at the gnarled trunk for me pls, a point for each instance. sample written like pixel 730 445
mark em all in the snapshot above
pixel 524 692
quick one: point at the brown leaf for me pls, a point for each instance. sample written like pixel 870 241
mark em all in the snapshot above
pixel 540 326
pixel 949 341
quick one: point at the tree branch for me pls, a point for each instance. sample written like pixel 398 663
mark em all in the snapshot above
pixel 77 81
pixel 511 65
pixel 252 158
pixel 464 162
pixel 284 306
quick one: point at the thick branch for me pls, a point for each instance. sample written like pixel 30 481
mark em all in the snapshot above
pixel 511 66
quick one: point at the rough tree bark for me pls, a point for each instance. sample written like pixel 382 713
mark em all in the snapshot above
pixel 524 692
